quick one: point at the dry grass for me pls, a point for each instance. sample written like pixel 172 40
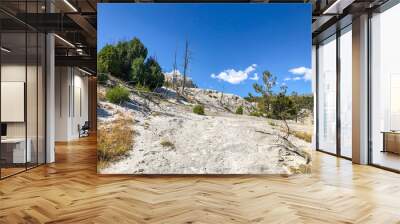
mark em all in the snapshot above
pixel 146 125
pixel 306 136
pixel 114 141
pixel 101 95
pixel 155 113
pixel 168 144
pixel 273 124
pixel 302 135
pixel 108 107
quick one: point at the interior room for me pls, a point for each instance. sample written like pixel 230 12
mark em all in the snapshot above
pixel 22 100
pixel 385 89
pixel 334 71
pixel 71 103
pixel 45 83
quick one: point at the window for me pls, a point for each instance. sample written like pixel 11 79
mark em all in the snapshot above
pixel 327 95
pixel 22 93
pixel 385 88
pixel 346 92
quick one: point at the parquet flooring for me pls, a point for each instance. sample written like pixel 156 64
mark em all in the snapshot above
pixel 70 191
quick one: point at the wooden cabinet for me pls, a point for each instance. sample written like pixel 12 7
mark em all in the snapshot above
pixel 391 142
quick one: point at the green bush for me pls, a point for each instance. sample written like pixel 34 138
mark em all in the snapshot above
pixel 102 78
pixel 239 110
pixel 168 144
pixel 255 113
pixel 117 94
pixel 139 87
pixel 198 109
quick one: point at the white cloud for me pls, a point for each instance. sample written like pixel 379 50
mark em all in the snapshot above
pixel 255 77
pixel 296 78
pixel 301 73
pixel 235 77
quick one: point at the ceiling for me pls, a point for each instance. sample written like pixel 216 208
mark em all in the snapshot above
pixel 75 21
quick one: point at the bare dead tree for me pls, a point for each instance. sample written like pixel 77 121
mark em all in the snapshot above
pixel 222 95
pixel 186 61
pixel 221 100
pixel 174 75
pixel 286 127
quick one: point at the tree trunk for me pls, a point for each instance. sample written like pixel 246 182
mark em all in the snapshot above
pixel 185 65
pixel 174 68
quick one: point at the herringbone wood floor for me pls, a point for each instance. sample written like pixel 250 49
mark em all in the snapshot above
pixel 70 191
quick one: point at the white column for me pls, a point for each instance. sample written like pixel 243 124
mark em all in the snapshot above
pixel 314 92
pixel 360 90
pixel 50 94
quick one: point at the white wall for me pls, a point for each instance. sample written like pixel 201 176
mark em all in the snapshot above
pixel 80 94
pixel 33 125
pixel 13 101
pixel 70 84
pixel 62 81
pixel 12 73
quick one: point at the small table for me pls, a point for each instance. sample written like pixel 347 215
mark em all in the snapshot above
pixel 391 141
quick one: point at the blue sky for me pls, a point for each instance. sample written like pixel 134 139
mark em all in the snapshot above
pixel 231 44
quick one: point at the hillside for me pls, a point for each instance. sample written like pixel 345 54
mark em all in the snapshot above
pixel 170 139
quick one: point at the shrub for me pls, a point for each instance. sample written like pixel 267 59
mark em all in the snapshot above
pixel 239 110
pixel 255 113
pixel 303 135
pixel 198 109
pixel 101 96
pixel 271 123
pixel 117 94
pixel 167 144
pixel 139 87
pixel 102 78
pixel 114 142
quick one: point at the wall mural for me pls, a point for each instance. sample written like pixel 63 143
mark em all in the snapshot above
pixel 204 89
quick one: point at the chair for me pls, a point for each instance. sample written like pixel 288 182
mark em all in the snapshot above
pixel 84 130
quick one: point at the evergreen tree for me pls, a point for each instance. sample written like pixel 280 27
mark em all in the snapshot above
pixel 128 60
pixel 269 81
pixel 138 71
pixel 154 76
pixel 108 61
